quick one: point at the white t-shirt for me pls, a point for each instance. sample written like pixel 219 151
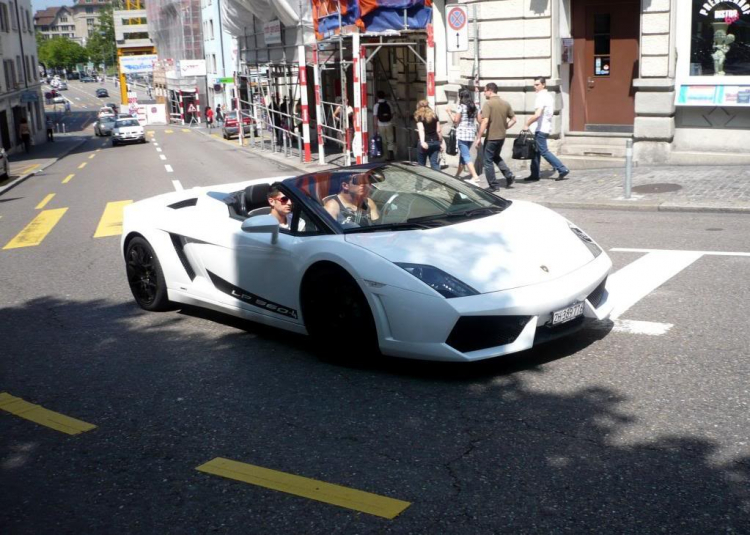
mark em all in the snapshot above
pixel 544 122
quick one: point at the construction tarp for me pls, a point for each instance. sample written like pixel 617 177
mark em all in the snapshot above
pixel 238 15
pixel 329 16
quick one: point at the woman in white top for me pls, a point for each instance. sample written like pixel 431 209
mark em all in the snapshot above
pixel 465 121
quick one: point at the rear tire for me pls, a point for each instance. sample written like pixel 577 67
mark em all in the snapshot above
pixel 145 276
pixel 338 317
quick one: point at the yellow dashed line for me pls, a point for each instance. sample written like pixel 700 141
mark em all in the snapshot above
pixel 90 157
pixel 111 222
pixel 307 488
pixel 82 165
pixel 37 230
pixel 168 131
pixel 44 202
pixel 67 179
pixel 186 130
pixel 42 416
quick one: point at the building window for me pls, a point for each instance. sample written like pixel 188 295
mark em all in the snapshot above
pixel 720 39
pixel 13 21
pixel 10 78
pixel 29 27
pixel 89 10
pixel 4 23
pixel 19 69
pixel 34 69
pixel 213 60
pixel 211 24
pixel 63 19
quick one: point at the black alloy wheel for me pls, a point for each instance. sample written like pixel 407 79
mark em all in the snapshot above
pixel 338 317
pixel 145 276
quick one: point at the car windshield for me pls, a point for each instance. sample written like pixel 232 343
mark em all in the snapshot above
pixel 109 121
pixel 395 197
pixel 127 122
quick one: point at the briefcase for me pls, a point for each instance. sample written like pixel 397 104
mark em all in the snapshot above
pixel 524 147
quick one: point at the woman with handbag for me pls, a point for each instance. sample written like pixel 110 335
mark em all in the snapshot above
pixel 465 121
pixel 430 136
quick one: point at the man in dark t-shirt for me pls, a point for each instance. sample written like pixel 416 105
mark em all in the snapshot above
pixel 496 118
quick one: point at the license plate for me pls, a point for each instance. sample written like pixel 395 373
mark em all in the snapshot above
pixel 567 314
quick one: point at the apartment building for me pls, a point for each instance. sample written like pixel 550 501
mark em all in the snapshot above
pixel 76 22
pixel 20 85
pixel 220 52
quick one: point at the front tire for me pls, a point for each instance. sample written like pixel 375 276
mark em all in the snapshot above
pixel 337 316
pixel 145 276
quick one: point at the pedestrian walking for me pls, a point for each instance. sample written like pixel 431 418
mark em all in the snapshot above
pixel 24 132
pixel 338 121
pixel 430 136
pixel 382 115
pixel 50 129
pixel 465 120
pixel 67 106
pixel 541 121
pixel 209 117
pixel 219 116
pixel 497 118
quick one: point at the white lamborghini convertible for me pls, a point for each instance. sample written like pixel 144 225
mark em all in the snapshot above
pixel 413 262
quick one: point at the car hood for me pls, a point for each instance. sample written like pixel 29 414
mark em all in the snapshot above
pixel 129 129
pixel 525 244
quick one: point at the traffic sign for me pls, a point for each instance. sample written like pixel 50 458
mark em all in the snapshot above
pixel 457 29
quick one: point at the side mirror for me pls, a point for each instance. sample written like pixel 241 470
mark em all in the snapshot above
pixel 262 224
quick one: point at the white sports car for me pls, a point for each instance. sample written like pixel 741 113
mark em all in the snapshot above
pixel 390 257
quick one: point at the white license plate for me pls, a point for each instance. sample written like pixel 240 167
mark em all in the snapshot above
pixel 567 314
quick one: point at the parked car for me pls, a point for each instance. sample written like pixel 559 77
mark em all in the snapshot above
pixel 102 93
pixel 231 129
pixel 432 268
pixel 87 79
pixel 104 126
pixel 4 166
pixel 59 99
pixel 106 112
pixel 128 131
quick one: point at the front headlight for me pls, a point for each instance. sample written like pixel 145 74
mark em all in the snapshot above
pixel 446 285
pixel 586 239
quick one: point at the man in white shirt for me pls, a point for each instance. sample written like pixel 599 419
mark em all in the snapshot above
pixel 544 109
pixel 382 116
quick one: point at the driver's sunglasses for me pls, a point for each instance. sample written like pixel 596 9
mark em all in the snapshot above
pixel 357 181
pixel 283 199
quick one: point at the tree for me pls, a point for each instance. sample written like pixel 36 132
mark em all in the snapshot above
pixel 61 53
pixel 101 46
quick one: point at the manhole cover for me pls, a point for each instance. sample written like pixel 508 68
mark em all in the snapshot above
pixel 657 188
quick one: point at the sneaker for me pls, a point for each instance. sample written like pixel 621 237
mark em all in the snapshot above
pixel 563 175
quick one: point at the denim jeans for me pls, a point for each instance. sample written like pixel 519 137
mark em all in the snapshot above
pixel 543 152
pixel 432 152
pixel 492 148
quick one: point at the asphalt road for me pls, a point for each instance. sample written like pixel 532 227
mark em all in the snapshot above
pixel 610 430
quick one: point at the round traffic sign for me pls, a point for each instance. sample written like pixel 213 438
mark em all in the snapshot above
pixel 456 18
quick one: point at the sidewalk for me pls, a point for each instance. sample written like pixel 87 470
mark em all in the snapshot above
pixel 23 166
pixel 718 189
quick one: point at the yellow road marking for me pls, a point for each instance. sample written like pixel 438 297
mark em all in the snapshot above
pixel 90 157
pixel 82 165
pixel 308 488
pixel 98 150
pixel 67 179
pixel 37 230
pixel 150 132
pixel 42 416
pixel 111 222
pixel 44 202
pixel 186 130
pixel 27 169
pixel 168 131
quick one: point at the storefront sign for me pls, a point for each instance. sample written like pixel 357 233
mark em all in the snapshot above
pixel 713 95
pixel 742 5
pixel 135 64
pixel 272 32
pixel 192 67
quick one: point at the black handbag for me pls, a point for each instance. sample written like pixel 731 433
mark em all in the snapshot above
pixel 451 146
pixel 524 146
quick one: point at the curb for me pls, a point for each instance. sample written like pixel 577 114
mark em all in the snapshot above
pixel 59 157
pixel 625 206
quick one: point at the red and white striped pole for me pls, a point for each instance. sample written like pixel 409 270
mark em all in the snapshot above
pixel 303 106
pixel 318 106
pixel 363 82
pixel 198 104
pixel 357 98
pixel 182 106
pixel 431 67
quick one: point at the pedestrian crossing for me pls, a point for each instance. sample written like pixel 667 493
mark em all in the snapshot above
pixel 43 225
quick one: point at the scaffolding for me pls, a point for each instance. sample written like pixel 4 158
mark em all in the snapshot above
pixel 275 95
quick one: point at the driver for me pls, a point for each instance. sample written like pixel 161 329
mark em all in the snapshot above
pixel 353 205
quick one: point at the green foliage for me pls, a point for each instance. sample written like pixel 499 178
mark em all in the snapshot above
pixel 101 47
pixel 61 53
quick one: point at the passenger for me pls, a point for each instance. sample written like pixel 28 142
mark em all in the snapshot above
pixel 352 205
pixel 281 208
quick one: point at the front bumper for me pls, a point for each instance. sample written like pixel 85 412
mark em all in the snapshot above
pixel 129 138
pixel 488 325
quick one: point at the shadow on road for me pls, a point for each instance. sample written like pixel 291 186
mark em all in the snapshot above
pixel 481 451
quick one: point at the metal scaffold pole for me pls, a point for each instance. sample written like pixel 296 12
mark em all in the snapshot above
pixel 303 102
pixel 363 98
pixel 318 106
pixel 357 98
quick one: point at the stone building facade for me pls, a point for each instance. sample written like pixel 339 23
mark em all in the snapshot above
pixel 640 69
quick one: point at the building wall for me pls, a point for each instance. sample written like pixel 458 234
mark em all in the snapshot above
pixel 218 47
pixel 21 83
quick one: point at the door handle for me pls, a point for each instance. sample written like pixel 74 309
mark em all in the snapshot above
pixel 590 81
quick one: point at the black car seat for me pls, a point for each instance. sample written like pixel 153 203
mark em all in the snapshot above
pixel 256 200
